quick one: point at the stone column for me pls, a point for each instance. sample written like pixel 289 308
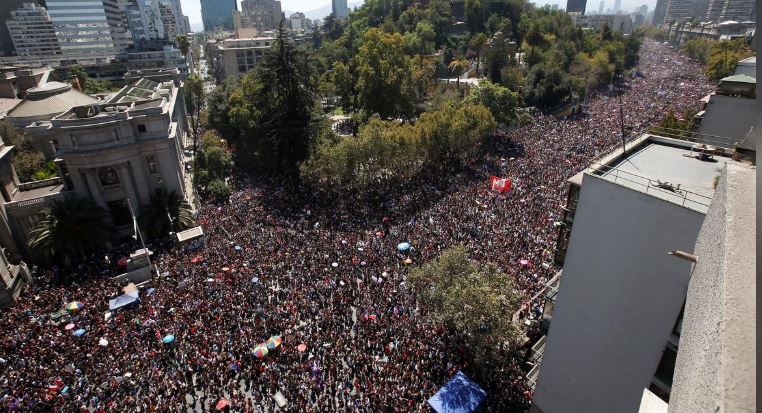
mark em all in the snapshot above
pixel 128 186
pixel 144 186
pixel 95 188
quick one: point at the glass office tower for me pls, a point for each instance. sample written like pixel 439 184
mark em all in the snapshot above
pixel 218 14
pixel 89 30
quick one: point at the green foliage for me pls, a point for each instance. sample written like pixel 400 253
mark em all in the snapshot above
pixel 183 43
pixel 385 84
pixel 48 171
pixel 218 104
pixel 474 302
pixel 219 190
pixel 390 151
pixel 273 110
pixel 697 49
pixel 549 86
pixel 68 229
pixel 30 164
pixel 672 126
pixel 86 84
pixel 723 57
pixel 474 16
pixel 500 101
pixel 167 212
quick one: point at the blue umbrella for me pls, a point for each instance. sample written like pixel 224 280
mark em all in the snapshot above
pixel 255 280
pixel 403 246
pixel 235 367
pixel 237 247
pixel 168 339
pixel 79 333
pixel 151 290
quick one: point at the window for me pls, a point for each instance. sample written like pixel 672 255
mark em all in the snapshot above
pixel 142 128
pixel 151 162
pixel 108 176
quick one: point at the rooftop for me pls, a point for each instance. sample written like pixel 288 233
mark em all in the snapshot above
pixel 665 168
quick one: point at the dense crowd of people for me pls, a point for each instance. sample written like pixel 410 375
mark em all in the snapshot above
pixel 276 262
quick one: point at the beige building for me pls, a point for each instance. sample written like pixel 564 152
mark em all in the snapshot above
pixel 112 151
pixel 233 57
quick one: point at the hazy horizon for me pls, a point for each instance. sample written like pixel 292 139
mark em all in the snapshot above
pixel 192 8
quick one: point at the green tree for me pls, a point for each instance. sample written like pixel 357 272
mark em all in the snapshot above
pixel 183 42
pixel 87 84
pixel 166 212
pixel 500 101
pixel 697 49
pixel 474 16
pixel 534 38
pixel 723 57
pixel 70 228
pixel 384 80
pixel 195 93
pixel 477 43
pixel 458 67
pixel 548 86
pixel 473 302
pixel 218 190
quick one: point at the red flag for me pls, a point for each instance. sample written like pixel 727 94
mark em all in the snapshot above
pixel 500 184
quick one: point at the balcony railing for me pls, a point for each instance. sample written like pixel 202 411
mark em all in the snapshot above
pixel 28 186
pixel 668 192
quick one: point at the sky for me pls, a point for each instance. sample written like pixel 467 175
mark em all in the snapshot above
pixel 192 8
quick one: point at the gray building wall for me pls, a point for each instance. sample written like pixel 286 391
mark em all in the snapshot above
pixel 730 116
pixel 715 370
pixel 618 301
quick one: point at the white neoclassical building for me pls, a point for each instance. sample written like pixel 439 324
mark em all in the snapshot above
pixel 123 148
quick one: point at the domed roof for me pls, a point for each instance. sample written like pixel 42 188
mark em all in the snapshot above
pixel 49 100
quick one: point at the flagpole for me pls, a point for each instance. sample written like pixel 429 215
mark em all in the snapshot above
pixel 140 236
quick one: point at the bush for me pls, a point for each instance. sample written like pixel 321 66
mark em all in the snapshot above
pixel 218 190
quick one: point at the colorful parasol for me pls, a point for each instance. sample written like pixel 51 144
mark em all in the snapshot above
pixel 74 306
pixel 261 351
pixel 274 342
pixel 302 347
pixel 168 339
pixel 79 333
pixel 404 246
pixel 69 326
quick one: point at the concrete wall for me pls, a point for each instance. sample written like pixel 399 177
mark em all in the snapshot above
pixel 729 116
pixel 715 370
pixel 618 301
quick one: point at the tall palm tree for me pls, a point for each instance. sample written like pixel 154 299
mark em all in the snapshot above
pixel 534 38
pixel 166 212
pixel 184 43
pixel 458 67
pixel 477 44
pixel 69 228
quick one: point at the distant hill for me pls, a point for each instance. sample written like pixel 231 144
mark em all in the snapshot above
pixel 322 12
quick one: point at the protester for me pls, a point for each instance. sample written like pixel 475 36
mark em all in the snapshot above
pixel 278 263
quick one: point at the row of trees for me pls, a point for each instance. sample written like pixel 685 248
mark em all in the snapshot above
pixel 386 152
pixel 719 57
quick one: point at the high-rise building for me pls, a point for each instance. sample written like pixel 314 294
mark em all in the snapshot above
pixel 218 14
pixel 6 6
pixel 617 6
pixel 91 31
pixel 340 9
pixel 659 12
pixel 576 6
pixel 600 7
pixel 297 21
pixel 643 10
pixel 32 31
pixel 262 15
pixel 685 9
pixel 738 10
